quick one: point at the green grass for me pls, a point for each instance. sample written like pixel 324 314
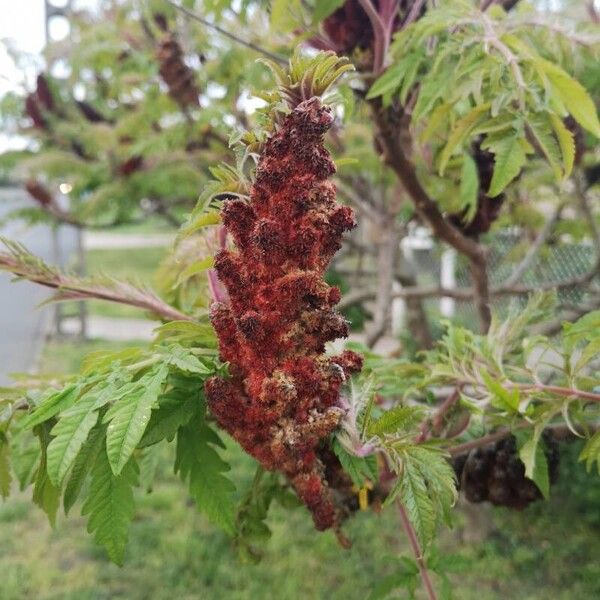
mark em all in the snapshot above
pixel 135 264
pixel 66 356
pixel 151 224
pixel 550 550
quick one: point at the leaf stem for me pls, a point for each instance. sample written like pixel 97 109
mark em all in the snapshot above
pixel 418 553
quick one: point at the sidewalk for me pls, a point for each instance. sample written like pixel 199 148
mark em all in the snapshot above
pixel 104 240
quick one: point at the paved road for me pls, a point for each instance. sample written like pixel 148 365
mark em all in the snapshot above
pixel 21 322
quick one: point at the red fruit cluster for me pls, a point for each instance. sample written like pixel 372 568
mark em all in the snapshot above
pixel 281 401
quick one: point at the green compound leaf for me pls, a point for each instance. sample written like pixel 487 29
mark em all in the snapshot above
pixel 199 464
pixel 82 466
pixel 110 505
pixel 128 418
pixel 591 452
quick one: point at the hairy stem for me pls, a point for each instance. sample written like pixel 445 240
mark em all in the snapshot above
pixel 418 553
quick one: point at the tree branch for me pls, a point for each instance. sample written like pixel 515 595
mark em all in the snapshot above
pixel 27 266
pixel 195 17
pixel 533 251
pixel 594 15
pixel 381 36
pixel 558 429
pixel 429 211
pixel 414 13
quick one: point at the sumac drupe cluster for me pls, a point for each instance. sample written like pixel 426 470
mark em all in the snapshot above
pixel 281 400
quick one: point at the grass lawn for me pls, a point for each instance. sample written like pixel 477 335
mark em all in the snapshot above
pixel 550 551
pixel 150 224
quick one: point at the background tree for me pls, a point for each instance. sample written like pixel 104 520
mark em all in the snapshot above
pixel 473 120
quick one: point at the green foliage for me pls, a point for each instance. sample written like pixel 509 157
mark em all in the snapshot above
pixel 486 74
pixel 361 469
pixel 305 77
pixel 251 531
pixel 5 474
pixel 591 452
pixel 471 80
pixel 199 464
pixel 533 457
pixel 426 486
pixel 94 431
pixel 405 576
pixel 323 8
pixel 110 505
pixel 128 417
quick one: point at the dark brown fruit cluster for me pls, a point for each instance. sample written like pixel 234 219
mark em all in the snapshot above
pixel 349 28
pixel 40 103
pixel 178 77
pixel 496 474
pixel 281 402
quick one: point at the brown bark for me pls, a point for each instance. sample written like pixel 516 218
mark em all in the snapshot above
pixel 427 209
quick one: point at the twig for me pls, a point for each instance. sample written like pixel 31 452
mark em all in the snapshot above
pixel 582 40
pixel 554 389
pixel 486 4
pixel 371 212
pixel 589 217
pixel 192 15
pixel 533 251
pixel 27 266
pixel 506 52
pixel 468 293
pixel 571 313
pixel 381 36
pixel 417 552
pixel 414 13
pixel 558 429
pixel 386 263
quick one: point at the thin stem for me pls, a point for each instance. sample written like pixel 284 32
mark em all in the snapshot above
pixel 554 389
pixel 195 17
pixel 380 42
pixel 482 441
pixel 414 13
pixel 594 15
pixel 492 38
pixel 535 248
pixel 418 554
pixel 486 4
pixel 559 430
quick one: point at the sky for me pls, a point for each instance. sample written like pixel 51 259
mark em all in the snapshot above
pixel 22 27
